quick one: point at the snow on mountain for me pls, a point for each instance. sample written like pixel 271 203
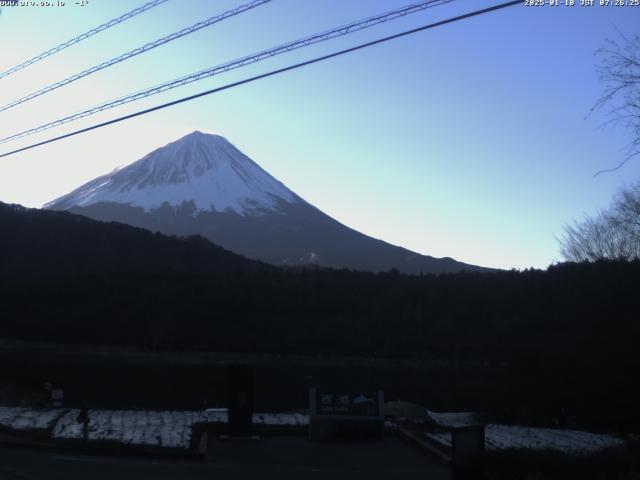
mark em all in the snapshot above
pixel 203 185
pixel 200 168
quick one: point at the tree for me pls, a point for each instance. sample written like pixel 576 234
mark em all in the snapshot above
pixel 620 72
pixel 628 211
pixel 612 234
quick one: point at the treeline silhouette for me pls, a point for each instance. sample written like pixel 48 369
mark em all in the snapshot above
pixel 567 337
pixel 41 243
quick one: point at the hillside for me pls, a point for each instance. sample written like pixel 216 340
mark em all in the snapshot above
pixel 44 243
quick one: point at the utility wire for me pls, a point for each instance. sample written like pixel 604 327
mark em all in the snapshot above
pixel 268 74
pixel 138 51
pixel 83 36
pixel 253 58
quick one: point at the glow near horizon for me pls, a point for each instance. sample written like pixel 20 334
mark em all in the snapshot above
pixel 467 141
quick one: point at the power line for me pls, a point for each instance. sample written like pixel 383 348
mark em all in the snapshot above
pixel 137 51
pixel 269 74
pixel 83 36
pixel 253 58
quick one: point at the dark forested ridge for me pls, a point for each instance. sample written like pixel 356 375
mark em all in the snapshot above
pixel 566 310
pixel 45 243
pixel 567 336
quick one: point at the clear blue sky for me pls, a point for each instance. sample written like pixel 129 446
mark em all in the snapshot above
pixel 469 140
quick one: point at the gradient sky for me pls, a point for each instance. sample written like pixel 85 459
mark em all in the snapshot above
pixel 471 140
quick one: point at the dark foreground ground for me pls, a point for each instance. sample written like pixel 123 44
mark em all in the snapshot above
pixel 280 458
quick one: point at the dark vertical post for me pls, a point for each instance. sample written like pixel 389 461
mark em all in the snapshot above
pixel 240 400
pixel 83 418
pixel 468 452
pixel 313 402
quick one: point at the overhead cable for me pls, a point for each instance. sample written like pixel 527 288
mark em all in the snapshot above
pixel 83 36
pixel 225 67
pixel 137 51
pixel 268 74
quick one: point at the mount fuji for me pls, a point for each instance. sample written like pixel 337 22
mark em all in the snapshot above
pixel 202 184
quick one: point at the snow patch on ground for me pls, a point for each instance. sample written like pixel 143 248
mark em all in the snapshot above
pixel 454 419
pixel 170 429
pixel 266 419
pixel 8 414
pixel 68 426
pixel 281 419
pixel 20 418
pixel 572 442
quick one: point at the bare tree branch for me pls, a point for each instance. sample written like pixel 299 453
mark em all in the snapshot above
pixel 619 70
pixel 617 167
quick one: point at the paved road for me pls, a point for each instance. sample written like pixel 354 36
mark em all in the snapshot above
pixel 269 458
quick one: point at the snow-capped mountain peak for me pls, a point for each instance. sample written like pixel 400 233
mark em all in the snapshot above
pixel 201 168
pixel 231 201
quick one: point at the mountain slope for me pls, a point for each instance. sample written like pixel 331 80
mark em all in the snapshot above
pixel 43 243
pixel 204 169
pixel 201 184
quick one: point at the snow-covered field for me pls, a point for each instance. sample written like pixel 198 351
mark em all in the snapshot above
pixel 572 442
pixel 20 418
pixel 169 429
pixel 172 429
pixel 132 427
